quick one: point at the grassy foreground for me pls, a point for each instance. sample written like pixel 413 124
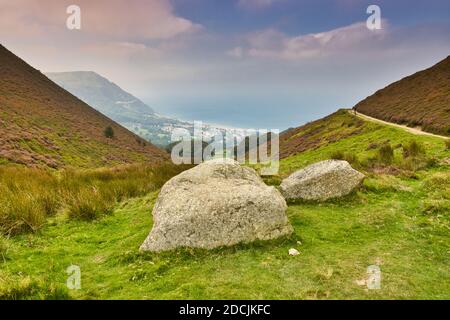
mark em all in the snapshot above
pixel 398 222
pixel 337 241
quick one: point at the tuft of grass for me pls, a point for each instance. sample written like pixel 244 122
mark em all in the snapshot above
pixel 386 154
pixel 20 213
pixel 350 157
pixel 436 206
pixel 415 157
pixel 272 180
pixel 89 204
pixel 413 149
pixel 436 181
pixel 384 184
pixel 27 288
pixel 447 144
pixel 437 188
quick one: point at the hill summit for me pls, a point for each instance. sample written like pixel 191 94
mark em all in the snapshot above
pixel 41 124
pixel 420 100
pixel 101 94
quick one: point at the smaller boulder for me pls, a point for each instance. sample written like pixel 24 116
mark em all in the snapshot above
pixel 322 181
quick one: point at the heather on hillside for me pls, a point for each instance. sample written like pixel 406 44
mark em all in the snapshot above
pixel 420 100
pixel 43 125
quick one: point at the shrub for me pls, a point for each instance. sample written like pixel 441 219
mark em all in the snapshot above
pixel 386 154
pixel 109 132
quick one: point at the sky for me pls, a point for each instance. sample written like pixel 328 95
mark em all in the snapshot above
pixel 258 64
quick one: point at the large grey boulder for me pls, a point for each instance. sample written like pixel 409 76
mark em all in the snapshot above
pixel 322 181
pixel 218 203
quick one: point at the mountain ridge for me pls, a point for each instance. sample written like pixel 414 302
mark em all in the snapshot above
pixel 105 91
pixel 121 106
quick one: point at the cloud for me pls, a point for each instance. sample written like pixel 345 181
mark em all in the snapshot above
pixel 271 43
pixel 117 19
pixel 255 4
pixel 237 52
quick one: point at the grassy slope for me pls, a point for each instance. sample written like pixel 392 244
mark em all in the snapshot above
pixel 41 124
pixel 354 139
pixel 388 223
pixel 422 99
pixel 313 135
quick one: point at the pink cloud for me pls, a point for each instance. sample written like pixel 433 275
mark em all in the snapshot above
pixel 118 19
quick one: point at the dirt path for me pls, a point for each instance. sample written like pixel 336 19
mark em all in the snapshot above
pixel 416 131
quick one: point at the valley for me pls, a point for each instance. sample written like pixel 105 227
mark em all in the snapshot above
pixel 129 111
pixel 78 189
pixel 383 223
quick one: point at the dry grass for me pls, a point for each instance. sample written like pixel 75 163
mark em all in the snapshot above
pixel 29 196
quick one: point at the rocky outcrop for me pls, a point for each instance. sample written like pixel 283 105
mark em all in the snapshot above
pixel 322 181
pixel 218 203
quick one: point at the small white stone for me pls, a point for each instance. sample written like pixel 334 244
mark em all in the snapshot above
pixel 293 252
